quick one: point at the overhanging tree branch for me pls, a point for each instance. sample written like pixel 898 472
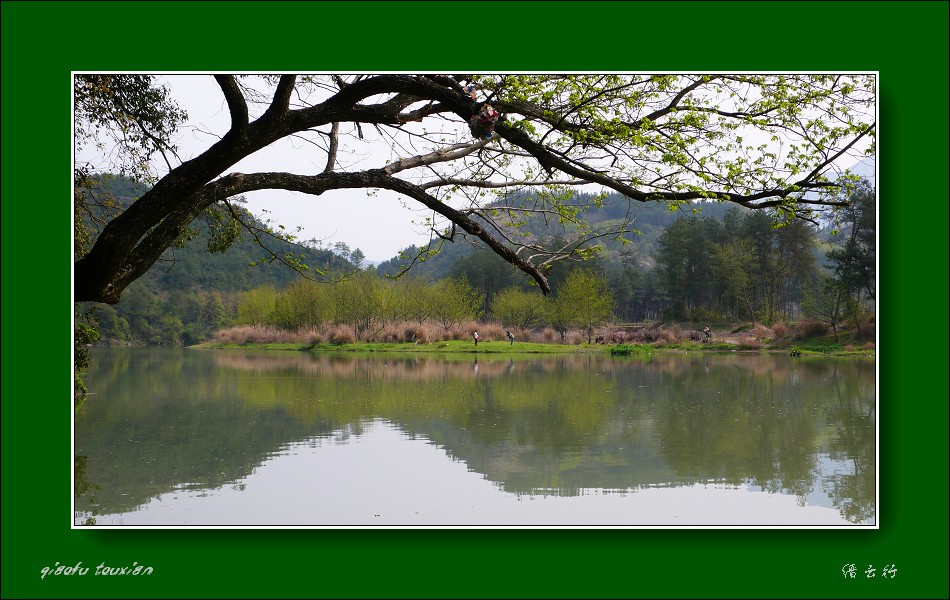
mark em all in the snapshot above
pixel 588 132
pixel 238 183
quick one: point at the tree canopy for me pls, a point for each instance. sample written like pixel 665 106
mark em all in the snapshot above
pixel 759 141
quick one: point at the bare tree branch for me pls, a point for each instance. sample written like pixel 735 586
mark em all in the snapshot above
pixel 444 155
pixel 477 183
pixel 334 145
pixel 238 183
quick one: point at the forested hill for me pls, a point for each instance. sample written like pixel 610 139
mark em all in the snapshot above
pixel 190 287
pixel 720 263
pixel 650 221
pixel 193 267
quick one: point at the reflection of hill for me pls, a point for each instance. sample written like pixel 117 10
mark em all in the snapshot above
pixel 551 424
pixel 160 421
pixel 675 423
pixel 529 469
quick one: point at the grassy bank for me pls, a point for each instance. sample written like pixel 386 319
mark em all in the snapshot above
pixel 800 339
pixel 806 337
pixel 467 347
pixel 446 347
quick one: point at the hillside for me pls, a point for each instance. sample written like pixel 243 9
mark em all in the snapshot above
pixel 191 290
pixel 709 261
pixel 650 221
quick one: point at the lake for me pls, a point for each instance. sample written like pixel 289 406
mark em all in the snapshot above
pixel 183 437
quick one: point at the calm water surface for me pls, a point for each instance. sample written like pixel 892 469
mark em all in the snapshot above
pixel 188 437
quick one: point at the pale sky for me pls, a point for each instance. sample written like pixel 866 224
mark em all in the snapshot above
pixel 380 225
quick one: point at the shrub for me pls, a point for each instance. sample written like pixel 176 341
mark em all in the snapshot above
pixel 780 330
pixel 810 328
pixel 487 332
pixel 342 334
pixel 415 333
pixel 389 334
pixel 258 334
pixel 314 337
pixel 644 336
pixel 521 335
pixel 491 332
pixel 749 343
pixel 691 335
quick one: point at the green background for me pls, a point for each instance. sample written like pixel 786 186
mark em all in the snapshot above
pixel 906 42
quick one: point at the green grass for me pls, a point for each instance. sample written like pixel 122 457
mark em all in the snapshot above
pixel 446 347
pixel 631 349
pixel 502 347
pixel 252 346
pixel 824 347
pixel 460 347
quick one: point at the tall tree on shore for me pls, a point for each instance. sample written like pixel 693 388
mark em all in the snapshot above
pixel 854 260
pixel 828 301
pixel 733 262
pixel 517 308
pixel 588 299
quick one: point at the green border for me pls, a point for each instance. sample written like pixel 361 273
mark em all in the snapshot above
pixel 907 42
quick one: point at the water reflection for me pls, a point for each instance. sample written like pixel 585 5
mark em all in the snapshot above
pixel 170 425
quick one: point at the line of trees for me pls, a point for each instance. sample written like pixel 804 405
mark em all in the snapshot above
pixel 174 318
pixel 367 303
pixel 717 266
pixel 363 301
pixel 744 268
pixel 846 294
pixel 735 268
pixel 740 268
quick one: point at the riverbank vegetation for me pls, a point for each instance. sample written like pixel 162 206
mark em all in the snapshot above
pixel 802 338
pixel 719 268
